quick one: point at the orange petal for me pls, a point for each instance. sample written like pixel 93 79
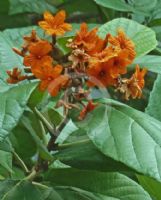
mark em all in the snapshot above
pixel 40 48
pixel 43 85
pixel 59 17
pixel 48 17
pixel 44 25
pixel 66 27
pixel 28 60
pixel 57 71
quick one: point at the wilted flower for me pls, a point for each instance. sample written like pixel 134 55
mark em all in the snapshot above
pixel 133 86
pixel 15 76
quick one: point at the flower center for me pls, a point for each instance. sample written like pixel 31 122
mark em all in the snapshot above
pixel 49 78
pixel 102 73
pixel 39 57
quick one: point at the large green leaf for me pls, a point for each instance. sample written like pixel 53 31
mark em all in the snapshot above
pixel 10 190
pixel 126 135
pixel 138 6
pixel 12 105
pixel 150 62
pixel 71 193
pixel 84 155
pixel 6 160
pixel 6 156
pixel 143 37
pixel 23 142
pixel 23 190
pixel 6 186
pixel 36 6
pixel 66 132
pixel 151 186
pixel 41 147
pixel 112 185
pixel 115 4
pixel 154 108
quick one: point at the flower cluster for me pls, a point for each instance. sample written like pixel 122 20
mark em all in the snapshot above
pixel 92 61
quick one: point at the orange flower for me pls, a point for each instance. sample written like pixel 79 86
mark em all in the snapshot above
pixel 85 39
pixel 122 42
pixel 15 76
pixel 38 54
pixel 50 77
pixel 31 38
pixel 99 75
pixel 55 25
pixel 137 82
pixel 133 86
pixel 88 108
pixel 118 64
pixel 104 55
pixel 100 45
pixel 27 41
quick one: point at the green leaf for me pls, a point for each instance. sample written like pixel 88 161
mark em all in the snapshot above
pixel 4 6
pixel 71 193
pixel 23 190
pixel 6 186
pixel 143 5
pixel 6 157
pixel 23 142
pixel 6 160
pixel 136 6
pixel 153 107
pixel 151 186
pixel 48 193
pixel 150 62
pixel 37 98
pixel 5 145
pixel 126 135
pixel 42 148
pixel 115 4
pixel 36 6
pixel 17 174
pixel 84 155
pixel 20 20
pixel 53 117
pixel 12 105
pixel 112 185
pixel 143 37
pixel 76 8
pixel 66 132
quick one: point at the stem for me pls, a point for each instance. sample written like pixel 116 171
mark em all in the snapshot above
pixel 31 176
pixel 20 161
pixel 40 185
pixel 51 144
pixel 62 146
pixel 43 133
pixel 31 77
pixel 50 128
pixel 27 69
pixel 53 40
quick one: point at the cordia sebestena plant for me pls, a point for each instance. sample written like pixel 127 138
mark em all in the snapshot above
pixel 63 134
